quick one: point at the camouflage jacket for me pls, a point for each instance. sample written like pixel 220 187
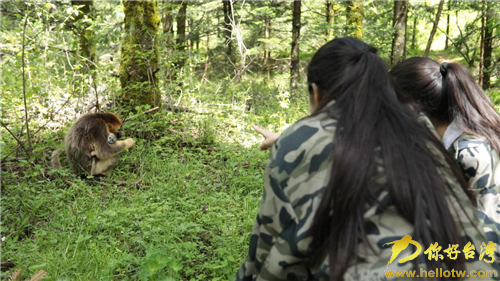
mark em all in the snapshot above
pixel 481 166
pixel 297 171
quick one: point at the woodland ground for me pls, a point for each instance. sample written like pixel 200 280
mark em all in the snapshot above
pixel 180 205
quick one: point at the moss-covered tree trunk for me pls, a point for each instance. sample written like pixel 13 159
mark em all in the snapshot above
pixel 82 29
pixel 355 16
pixel 139 57
pixel 398 52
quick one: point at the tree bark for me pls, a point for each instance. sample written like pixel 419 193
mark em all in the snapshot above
pixel 488 45
pixel 228 27
pixel 447 26
pixel 139 54
pixel 207 53
pixel 267 51
pixel 481 51
pixel 414 35
pixel 434 28
pixel 180 40
pixel 294 69
pixel 85 35
pixel 355 16
pixel 330 15
pixel 168 32
pixel 398 52
pixel 168 24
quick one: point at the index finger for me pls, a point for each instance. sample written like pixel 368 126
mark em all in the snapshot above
pixel 259 130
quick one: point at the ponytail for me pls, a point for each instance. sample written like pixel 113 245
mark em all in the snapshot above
pixel 470 107
pixel 446 93
pixel 374 131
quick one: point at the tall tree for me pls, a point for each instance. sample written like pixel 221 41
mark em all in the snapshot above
pixel 294 69
pixel 168 32
pixel 330 15
pixel 448 26
pixel 139 53
pixel 399 22
pixel 481 51
pixel 434 28
pixel 267 50
pixel 168 23
pixel 82 29
pixel 228 27
pixel 180 41
pixel 414 32
pixel 355 15
pixel 488 43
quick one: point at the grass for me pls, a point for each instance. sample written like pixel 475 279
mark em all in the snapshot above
pixel 180 205
pixel 165 212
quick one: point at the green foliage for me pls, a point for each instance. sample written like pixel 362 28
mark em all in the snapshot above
pixel 181 204
pixel 178 206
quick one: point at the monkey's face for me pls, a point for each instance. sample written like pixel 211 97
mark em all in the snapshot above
pixel 114 127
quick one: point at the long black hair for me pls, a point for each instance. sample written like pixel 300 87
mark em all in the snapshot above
pixel 372 123
pixel 447 92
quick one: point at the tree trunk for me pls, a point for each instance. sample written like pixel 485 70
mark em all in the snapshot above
pixel 330 14
pixel 267 51
pixel 139 54
pixel 481 50
pixel 168 31
pixel 85 35
pixel 488 45
pixel 228 27
pixel 207 54
pixel 355 16
pixel 294 69
pixel 434 28
pixel 398 52
pixel 414 35
pixel 448 26
pixel 180 41
pixel 168 24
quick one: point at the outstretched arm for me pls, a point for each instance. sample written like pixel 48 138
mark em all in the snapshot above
pixel 107 150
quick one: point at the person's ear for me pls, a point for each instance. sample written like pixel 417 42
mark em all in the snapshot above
pixel 316 95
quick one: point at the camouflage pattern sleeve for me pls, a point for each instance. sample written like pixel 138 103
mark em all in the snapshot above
pixel 481 166
pixel 296 173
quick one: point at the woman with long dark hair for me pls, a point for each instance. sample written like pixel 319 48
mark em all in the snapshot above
pixel 356 175
pixel 467 122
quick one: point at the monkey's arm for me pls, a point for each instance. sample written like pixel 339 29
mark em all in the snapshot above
pixel 110 150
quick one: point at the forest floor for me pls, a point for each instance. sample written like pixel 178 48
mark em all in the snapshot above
pixel 180 205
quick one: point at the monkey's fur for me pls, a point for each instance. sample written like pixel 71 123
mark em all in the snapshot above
pixel 87 146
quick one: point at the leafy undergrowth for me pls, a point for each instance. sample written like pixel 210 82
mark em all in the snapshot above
pixel 180 205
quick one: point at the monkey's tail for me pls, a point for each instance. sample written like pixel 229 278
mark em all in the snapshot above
pixel 55 158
